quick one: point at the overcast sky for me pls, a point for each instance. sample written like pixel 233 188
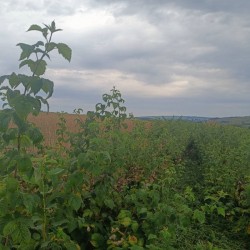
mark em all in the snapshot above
pixel 179 57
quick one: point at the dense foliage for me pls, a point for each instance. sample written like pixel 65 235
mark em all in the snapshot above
pixel 157 185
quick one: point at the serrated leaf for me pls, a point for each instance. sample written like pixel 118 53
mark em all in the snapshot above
pixel 25 62
pixel 24 164
pixel 25 141
pixel 11 184
pixel 21 234
pixel 134 226
pixel 26 50
pixel 36 236
pixel 48 87
pixel 199 216
pixel 39 43
pixel 71 246
pixel 109 203
pixel 42 100
pixel 35 135
pixel 126 221
pixel 45 32
pixel 64 50
pixel 152 237
pixel 37 67
pixel 36 85
pixel 97 240
pixel 22 107
pixel 9 228
pixel 14 80
pixel 50 46
pixel 30 201
pixel 35 27
pixel 75 201
pixel 221 211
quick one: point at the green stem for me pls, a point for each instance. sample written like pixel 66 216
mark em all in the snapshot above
pixel 44 211
pixel 45 51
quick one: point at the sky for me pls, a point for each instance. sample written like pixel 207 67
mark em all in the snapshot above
pixel 179 57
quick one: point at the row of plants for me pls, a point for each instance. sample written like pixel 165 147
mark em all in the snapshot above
pixel 157 185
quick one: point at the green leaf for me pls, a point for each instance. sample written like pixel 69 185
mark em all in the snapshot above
pixel 60 222
pixel 25 141
pixel 50 46
pixel 3 208
pixel 30 201
pixel 143 210
pixel 221 211
pixel 21 234
pixel 64 50
pixel 109 203
pixel 75 201
pixel 44 101
pixel 11 184
pixel 24 164
pixel 126 221
pixel 18 230
pixel 71 246
pixel 25 62
pixel 9 228
pixel 199 216
pixel 48 87
pixel 97 240
pixel 5 118
pixel 35 27
pixel 36 85
pixel 45 32
pixel 37 67
pixel 22 107
pixel 135 247
pixel 134 226
pixel 26 50
pixel 152 237
pixel 14 80
pixel 36 236
pixel 55 171
pixel 35 135
pixel 39 43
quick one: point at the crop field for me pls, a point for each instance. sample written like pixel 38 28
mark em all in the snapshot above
pixel 108 181
pixel 163 185
pixel 48 123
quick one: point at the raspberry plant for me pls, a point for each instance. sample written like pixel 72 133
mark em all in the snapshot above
pixel 23 94
pixel 170 185
pixel 24 179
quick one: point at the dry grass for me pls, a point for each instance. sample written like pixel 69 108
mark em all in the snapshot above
pixel 48 124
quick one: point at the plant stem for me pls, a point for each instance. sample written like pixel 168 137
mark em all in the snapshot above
pixel 44 210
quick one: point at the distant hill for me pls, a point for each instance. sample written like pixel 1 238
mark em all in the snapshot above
pixel 183 118
pixel 239 121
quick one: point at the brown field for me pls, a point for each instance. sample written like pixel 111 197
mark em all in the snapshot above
pixel 48 124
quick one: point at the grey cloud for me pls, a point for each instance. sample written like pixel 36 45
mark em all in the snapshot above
pixel 135 6
pixel 156 42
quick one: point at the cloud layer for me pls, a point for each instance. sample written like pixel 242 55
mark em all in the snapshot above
pixel 167 57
